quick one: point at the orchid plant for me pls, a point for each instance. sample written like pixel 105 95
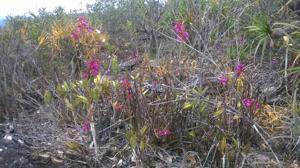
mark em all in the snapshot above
pixel 182 34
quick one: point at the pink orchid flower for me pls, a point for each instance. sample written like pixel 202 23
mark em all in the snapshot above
pixel 162 132
pixel 82 24
pixel 126 85
pixel 239 68
pixel 93 68
pixel 75 34
pixel 250 103
pixel 223 80
pixel 86 126
pixel 182 35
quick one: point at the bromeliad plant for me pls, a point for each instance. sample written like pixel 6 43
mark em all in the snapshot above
pixel 261 31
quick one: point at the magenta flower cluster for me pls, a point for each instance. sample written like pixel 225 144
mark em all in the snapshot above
pixel 182 35
pixel 239 69
pixel 86 126
pixel 162 132
pixel 250 103
pixel 223 80
pixel 92 68
pixel 126 87
pixel 81 25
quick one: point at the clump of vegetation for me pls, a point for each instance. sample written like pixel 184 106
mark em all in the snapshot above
pixel 153 84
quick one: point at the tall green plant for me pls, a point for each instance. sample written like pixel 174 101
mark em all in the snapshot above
pixel 261 31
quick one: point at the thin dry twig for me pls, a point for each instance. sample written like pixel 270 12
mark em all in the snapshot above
pixel 266 142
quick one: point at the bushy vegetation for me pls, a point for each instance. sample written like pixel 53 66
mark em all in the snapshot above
pixel 182 83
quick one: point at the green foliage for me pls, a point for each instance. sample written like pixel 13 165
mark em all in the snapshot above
pixel 183 9
pixel 234 52
pixel 115 66
pixel 84 93
pixel 187 105
pixel 260 27
pixel 47 97
pixel 138 139
pixel 261 31
pixel 223 145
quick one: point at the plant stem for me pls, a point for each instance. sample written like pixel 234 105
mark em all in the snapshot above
pixel 94 135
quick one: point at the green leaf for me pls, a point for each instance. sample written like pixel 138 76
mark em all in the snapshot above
pixel 115 66
pixel 192 133
pixel 143 130
pixel 68 104
pixel 108 46
pixel 142 146
pixel 218 113
pixel 236 143
pixel 66 87
pixel 73 85
pixel 200 91
pixel 47 97
pixel 105 66
pixel 223 145
pixel 187 105
pixel 132 139
pixel 95 94
pixel 202 106
pixel 294 69
pixel 83 99
pixel 60 91
pixel 85 84
pixel 76 102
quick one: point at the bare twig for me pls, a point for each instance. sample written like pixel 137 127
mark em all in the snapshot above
pixel 191 47
pixel 94 137
pixel 266 142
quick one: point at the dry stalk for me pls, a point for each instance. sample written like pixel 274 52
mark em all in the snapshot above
pixel 266 142
pixel 94 136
